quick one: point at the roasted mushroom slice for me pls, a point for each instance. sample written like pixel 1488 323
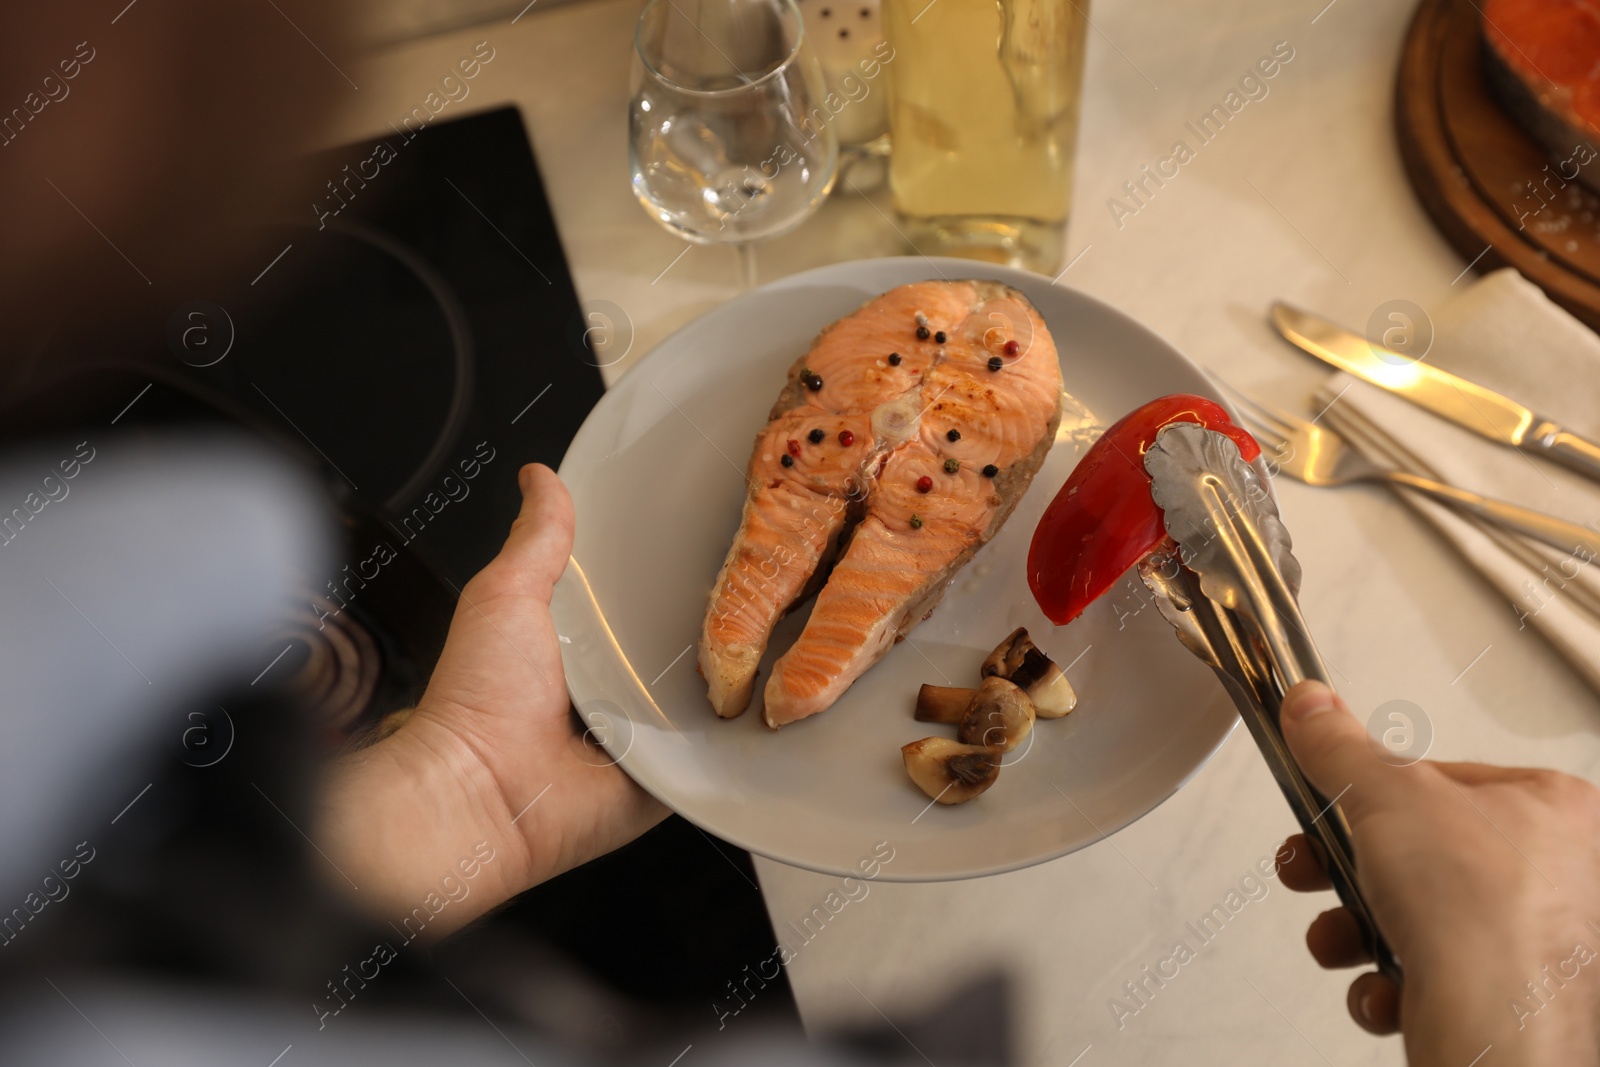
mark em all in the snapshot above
pixel 943 703
pixel 1000 717
pixel 1008 654
pixel 950 772
pixel 1046 685
pixel 1017 658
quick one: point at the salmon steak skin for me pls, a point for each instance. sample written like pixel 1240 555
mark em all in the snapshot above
pixel 1541 60
pixel 898 447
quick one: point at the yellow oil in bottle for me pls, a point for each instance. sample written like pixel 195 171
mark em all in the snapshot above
pixel 984 122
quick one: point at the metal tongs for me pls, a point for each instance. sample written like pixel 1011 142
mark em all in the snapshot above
pixel 1229 590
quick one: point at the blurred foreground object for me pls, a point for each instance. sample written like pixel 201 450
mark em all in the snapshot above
pixel 135 141
pixel 138 576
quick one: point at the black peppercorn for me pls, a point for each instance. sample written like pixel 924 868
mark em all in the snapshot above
pixel 939 337
pixel 990 470
pixel 814 383
pixel 922 333
pixel 953 435
pixel 894 359
pixel 995 363
pixel 786 459
pixel 816 436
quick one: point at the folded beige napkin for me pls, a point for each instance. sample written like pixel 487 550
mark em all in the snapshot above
pixel 1504 333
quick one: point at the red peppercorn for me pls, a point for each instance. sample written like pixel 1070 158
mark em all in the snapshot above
pixel 924 484
pixel 794 447
pixel 846 438
pixel 1012 348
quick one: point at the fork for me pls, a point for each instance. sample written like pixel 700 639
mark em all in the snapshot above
pixel 1320 457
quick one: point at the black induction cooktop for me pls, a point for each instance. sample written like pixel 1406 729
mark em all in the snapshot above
pixel 429 334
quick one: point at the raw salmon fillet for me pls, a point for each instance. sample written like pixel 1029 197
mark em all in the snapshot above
pixel 899 446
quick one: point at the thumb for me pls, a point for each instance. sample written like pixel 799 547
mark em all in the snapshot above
pixel 1333 750
pixel 536 550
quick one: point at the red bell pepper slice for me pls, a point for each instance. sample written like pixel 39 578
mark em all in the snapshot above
pixel 1103 520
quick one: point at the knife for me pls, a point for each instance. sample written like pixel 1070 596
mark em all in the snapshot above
pixel 1467 404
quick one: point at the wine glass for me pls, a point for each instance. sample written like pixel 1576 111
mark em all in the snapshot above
pixel 729 141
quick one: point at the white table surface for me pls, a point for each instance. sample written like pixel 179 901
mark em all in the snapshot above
pixel 1301 197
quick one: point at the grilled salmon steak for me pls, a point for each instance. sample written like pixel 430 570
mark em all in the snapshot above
pixel 1542 61
pixel 899 446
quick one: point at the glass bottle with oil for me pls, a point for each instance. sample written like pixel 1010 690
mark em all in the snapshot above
pixel 984 123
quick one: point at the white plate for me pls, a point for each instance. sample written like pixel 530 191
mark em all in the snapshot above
pixel 657 473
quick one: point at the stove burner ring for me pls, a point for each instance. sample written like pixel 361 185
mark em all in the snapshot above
pixel 339 667
pixel 461 351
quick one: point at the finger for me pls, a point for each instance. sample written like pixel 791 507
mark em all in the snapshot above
pixel 1332 749
pixel 1374 1003
pixel 1336 940
pixel 1480 773
pixel 536 550
pixel 1300 865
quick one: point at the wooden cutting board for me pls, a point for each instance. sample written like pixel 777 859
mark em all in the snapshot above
pixel 1493 191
